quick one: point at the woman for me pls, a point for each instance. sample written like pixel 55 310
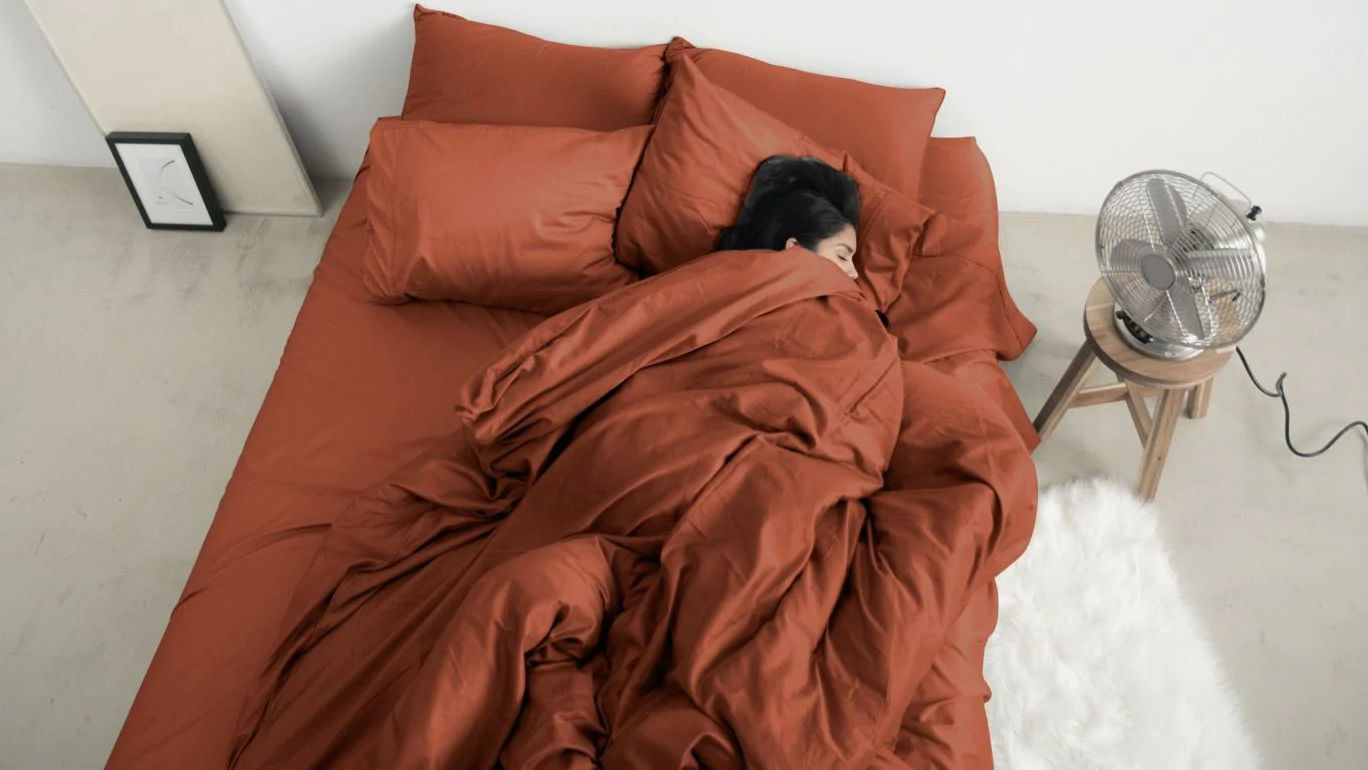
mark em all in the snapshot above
pixel 798 201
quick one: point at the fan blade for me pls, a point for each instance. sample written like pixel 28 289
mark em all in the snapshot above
pixel 1127 253
pixel 1185 311
pixel 1168 208
pixel 1125 260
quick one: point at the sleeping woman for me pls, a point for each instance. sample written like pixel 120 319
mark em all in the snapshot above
pixel 798 201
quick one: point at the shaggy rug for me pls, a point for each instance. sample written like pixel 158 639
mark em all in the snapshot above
pixel 1098 661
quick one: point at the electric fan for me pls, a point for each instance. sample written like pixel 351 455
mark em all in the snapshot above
pixel 1185 264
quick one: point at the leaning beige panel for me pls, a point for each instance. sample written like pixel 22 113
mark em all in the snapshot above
pixel 179 65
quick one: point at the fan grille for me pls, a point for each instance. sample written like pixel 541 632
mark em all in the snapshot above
pixel 1180 259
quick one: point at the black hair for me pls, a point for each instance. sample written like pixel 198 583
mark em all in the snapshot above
pixel 793 197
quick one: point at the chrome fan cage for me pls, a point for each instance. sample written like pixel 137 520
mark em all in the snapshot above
pixel 1183 262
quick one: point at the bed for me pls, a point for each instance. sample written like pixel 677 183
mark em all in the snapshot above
pixel 364 387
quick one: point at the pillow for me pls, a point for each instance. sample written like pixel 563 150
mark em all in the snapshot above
pixel 511 216
pixel 959 251
pixel 885 129
pixel 956 178
pixel 698 167
pixel 467 72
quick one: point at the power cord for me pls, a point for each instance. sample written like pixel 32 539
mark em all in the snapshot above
pixel 1280 394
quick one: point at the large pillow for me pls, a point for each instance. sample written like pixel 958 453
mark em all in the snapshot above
pixel 697 169
pixel 467 72
pixel 959 265
pixel 885 129
pixel 510 216
pixel 959 186
pixel 957 179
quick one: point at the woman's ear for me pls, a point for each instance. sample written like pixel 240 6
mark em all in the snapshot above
pixel 790 243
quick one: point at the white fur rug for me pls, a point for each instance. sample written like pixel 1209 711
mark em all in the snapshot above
pixel 1098 661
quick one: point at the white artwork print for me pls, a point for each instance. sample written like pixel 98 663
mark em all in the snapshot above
pixel 164 184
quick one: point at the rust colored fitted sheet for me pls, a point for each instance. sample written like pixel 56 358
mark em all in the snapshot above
pixel 363 388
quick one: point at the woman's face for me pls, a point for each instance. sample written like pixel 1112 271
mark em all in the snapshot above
pixel 839 248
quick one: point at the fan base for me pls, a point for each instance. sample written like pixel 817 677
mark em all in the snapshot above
pixel 1154 348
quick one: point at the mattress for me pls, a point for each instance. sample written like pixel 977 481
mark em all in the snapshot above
pixel 361 389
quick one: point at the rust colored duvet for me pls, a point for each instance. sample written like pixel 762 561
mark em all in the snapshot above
pixel 752 538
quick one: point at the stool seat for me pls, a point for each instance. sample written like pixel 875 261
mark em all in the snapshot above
pixel 1138 377
pixel 1099 327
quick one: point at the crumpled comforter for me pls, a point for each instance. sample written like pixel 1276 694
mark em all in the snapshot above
pixel 707 520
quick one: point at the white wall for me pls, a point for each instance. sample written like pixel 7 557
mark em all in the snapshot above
pixel 43 118
pixel 1066 96
pixel 179 65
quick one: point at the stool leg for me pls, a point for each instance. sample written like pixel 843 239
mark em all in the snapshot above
pixel 1139 411
pixel 1069 385
pixel 1157 445
pixel 1199 397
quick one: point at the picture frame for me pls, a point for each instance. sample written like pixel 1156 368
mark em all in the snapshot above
pixel 167 180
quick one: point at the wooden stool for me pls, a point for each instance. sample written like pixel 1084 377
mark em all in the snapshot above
pixel 1137 377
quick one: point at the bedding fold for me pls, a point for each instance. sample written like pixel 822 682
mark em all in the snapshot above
pixel 709 519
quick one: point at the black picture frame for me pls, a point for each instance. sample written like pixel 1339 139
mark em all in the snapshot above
pixel 192 160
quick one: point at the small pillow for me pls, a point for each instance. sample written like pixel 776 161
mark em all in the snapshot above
pixel 467 72
pixel 697 170
pixel 510 216
pixel 885 129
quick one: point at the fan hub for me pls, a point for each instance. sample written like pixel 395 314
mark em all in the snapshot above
pixel 1158 271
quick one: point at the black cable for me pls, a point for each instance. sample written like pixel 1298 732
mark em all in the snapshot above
pixel 1279 393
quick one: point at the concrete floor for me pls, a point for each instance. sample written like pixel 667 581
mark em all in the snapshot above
pixel 133 361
